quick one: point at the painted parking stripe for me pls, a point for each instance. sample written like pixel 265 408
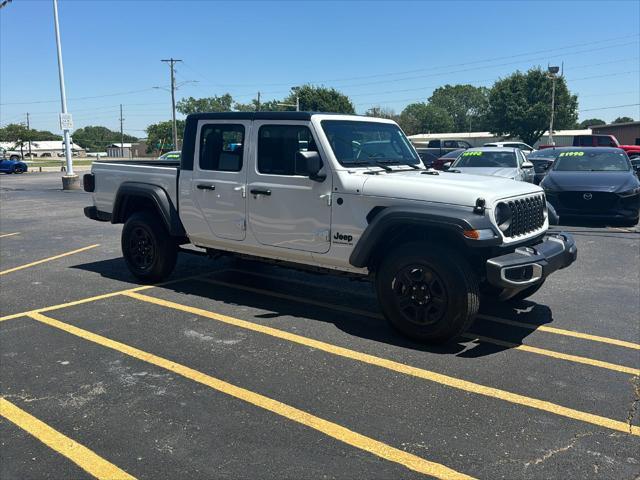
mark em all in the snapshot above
pixel 401 368
pixel 333 430
pixel 524 348
pixel 78 454
pixel 9 234
pixel 560 331
pixel 513 323
pixel 44 260
pixel 98 297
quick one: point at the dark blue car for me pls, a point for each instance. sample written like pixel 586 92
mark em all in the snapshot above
pixel 12 166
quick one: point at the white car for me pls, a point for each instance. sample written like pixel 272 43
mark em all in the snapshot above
pixel 10 154
pixel 495 161
pixel 526 149
pixel 335 194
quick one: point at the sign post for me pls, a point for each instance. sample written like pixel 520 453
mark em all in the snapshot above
pixel 70 181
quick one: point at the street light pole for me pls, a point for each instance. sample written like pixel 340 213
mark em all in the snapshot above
pixel 71 180
pixel 552 74
pixel 172 62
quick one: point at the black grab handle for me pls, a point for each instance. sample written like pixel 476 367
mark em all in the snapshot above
pixel 203 186
pixel 255 191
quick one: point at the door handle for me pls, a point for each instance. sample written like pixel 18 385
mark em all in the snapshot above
pixel 202 186
pixel 255 191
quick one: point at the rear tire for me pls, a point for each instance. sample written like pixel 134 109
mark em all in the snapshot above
pixel 427 292
pixel 148 249
pixel 17 169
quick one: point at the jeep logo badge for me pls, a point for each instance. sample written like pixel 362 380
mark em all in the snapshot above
pixel 587 196
pixel 341 238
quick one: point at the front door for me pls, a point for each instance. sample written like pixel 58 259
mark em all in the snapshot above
pixel 219 177
pixel 286 208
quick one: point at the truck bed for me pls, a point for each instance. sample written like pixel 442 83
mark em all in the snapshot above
pixel 111 175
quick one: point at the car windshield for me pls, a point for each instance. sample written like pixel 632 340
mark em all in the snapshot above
pixel 591 161
pixel 547 154
pixel 365 143
pixel 454 154
pixel 479 158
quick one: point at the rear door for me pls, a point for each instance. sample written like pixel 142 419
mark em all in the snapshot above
pixel 286 208
pixel 219 177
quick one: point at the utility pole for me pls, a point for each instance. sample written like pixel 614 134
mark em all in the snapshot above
pixel 172 62
pixel 29 128
pixel 552 74
pixel 121 134
pixel 258 106
pixel 69 181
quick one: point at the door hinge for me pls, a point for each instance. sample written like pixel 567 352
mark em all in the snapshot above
pixel 324 235
pixel 328 197
pixel 241 189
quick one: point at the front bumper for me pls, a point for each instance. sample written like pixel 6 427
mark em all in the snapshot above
pixel 529 265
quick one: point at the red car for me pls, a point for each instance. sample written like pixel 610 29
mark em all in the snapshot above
pixel 605 141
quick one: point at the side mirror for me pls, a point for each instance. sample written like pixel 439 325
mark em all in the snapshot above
pixel 313 164
pixel 527 164
pixel 446 166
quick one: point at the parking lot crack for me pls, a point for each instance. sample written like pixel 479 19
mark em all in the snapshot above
pixel 633 407
pixel 558 450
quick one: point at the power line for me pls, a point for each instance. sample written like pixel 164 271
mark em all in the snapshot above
pixel 609 108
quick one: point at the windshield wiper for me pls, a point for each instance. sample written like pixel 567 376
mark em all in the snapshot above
pixel 397 162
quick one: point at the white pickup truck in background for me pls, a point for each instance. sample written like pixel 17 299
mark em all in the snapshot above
pixel 338 194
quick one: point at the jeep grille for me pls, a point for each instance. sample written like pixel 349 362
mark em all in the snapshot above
pixel 527 215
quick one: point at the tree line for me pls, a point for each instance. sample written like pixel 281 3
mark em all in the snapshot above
pixel 515 106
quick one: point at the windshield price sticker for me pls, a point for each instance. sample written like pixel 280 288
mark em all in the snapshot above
pixel 472 154
pixel 571 154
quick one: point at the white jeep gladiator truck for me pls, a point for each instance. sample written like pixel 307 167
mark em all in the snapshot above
pixel 339 194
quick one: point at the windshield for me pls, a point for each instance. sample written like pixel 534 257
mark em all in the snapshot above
pixel 454 154
pixel 547 153
pixel 170 156
pixel 592 161
pixel 365 143
pixel 477 158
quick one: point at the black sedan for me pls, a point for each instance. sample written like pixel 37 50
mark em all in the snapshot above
pixel 542 161
pixel 595 182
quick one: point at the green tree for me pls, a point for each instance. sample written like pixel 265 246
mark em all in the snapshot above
pixel 96 138
pixel 382 112
pixel 467 105
pixel 160 136
pixel 590 122
pixel 320 99
pixel 207 104
pixel 424 118
pixel 19 133
pixel 520 106
pixel 253 106
pixel 623 120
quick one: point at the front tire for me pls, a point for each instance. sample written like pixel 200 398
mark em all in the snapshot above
pixel 148 249
pixel 427 292
pixel 17 169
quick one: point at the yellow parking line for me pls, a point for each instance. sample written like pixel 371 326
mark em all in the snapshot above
pixel 495 341
pixel 55 257
pixel 554 354
pixel 78 454
pixel 97 297
pixel 9 234
pixel 401 368
pixel 307 419
pixel 513 323
pixel 560 331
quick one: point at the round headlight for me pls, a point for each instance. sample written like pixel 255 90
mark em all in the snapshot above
pixel 503 217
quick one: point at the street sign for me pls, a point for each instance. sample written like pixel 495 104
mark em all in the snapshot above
pixel 66 122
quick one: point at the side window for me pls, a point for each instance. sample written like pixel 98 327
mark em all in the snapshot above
pixel 277 148
pixel 464 145
pixel 604 141
pixel 521 158
pixel 450 144
pixel 221 147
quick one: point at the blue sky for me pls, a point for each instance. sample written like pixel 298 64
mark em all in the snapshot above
pixel 378 53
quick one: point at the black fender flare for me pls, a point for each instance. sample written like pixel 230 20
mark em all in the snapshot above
pixel 450 219
pixel 158 197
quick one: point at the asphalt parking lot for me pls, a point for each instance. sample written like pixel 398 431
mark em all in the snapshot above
pixel 235 369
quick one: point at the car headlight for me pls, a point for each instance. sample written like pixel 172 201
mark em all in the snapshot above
pixel 630 193
pixel 503 217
